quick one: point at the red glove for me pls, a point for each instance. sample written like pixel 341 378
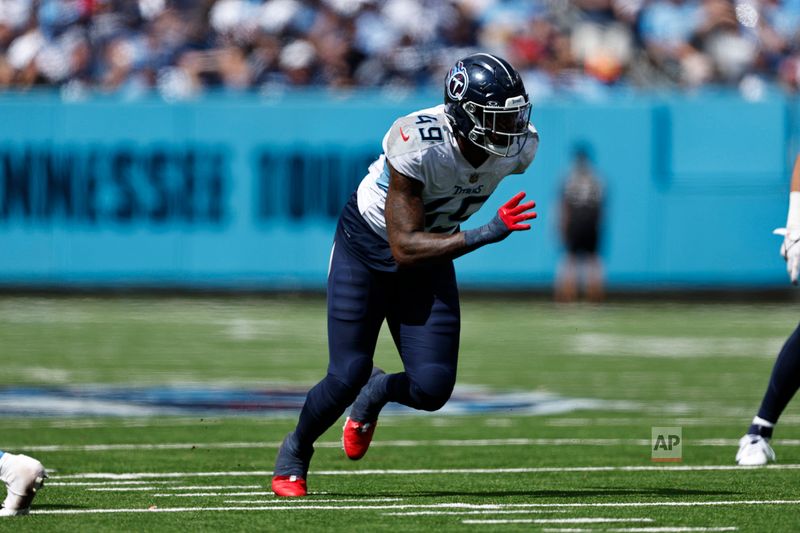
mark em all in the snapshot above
pixel 507 220
pixel 512 213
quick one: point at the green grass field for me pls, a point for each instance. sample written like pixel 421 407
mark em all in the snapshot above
pixel 700 367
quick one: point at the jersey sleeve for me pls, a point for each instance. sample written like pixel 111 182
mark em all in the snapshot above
pixel 411 143
pixel 529 151
pixel 403 151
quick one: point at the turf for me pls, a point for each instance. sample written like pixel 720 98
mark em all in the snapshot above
pixel 701 367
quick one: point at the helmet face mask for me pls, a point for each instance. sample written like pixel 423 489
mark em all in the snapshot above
pixel 501 131
pixel 486 102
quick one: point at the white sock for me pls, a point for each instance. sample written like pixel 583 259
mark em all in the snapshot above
pixel 761 422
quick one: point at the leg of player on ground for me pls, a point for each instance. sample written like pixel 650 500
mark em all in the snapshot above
pixel 23 477
pixel 424 319
pixel 355 315
pixel 754 448
pixel 783 384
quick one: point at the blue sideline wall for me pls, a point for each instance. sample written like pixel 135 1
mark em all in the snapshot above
pixel 242 192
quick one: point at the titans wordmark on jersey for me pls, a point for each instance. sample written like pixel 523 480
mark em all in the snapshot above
pixel 422 146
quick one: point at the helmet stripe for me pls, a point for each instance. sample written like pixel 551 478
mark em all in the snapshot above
pixel 498 62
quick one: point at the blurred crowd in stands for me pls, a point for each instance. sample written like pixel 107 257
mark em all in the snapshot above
pixel 181 48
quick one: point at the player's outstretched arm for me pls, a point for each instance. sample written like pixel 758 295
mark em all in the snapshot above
pixel 405 224
pixel 790 248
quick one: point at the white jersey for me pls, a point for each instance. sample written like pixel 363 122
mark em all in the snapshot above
pixel 422 146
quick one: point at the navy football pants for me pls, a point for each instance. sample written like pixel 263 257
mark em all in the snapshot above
pixel 421 308
pixel 784 381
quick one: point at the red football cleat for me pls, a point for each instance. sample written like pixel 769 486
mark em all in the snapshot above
pixel 289 486
pixel 356 438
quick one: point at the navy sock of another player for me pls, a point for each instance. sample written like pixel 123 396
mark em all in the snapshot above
pixel 783 384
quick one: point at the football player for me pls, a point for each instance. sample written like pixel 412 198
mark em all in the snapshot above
pixel 393 250
pixel 754 448
pixel 23 477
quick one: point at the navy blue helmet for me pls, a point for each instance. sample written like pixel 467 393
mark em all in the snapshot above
pixel 486 102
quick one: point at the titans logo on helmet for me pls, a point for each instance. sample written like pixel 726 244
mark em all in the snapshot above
pixel 457 82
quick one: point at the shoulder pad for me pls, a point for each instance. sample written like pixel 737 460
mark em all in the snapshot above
pixel 415 133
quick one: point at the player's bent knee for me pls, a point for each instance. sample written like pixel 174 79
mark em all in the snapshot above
pixel 340 391
pixel 432 396
pixel 354 373
pixel 346 387
pixel 359 372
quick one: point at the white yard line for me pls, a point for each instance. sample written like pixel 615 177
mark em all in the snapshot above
pixel 441 443
pixel 616 345
pixel 671 529
pixel 581 520
pixel 199 494
pixel 487 511
pixel 120 489
pixel 301 500
pixel 554 520
pixel 432 471
pixel 189 487
pixel 106 483
pixel 641 421
pixel 309 507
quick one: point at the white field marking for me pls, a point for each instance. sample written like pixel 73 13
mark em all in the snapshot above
pixel 106 483
pixel 411 506
pixel 121 422
pixel 554 520
pixel 245 329
pixel 40 373
pixel 78 407
pixel 498 422
pixel 673 347
pixel 188 487
pixel 441 443
pixel 588 520
pixel 433 471
pixel 199 494
pixel 236 508
pixel 568 530
pixel 640 421
pixel 122 489
pixel 290 501
pixel 488 511
pixel 670 529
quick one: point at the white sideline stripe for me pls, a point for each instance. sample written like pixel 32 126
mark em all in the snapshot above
pixel 119 489
pixel 670 529
pixel 188 487
pixel 106 483
pixel 198 494
pixel 536 470
pixel 300 500
pixel 434 471
pixel 656 346
pixel 447 443
pixel 412 506
pixel 588 520
pixel 488 511
pixel 554 520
